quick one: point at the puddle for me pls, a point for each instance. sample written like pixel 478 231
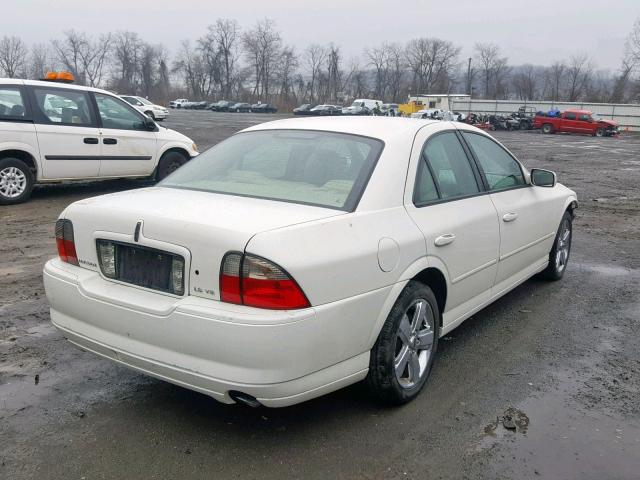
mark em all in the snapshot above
pixel 607 270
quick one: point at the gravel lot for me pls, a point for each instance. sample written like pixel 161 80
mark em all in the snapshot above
pixel 561 358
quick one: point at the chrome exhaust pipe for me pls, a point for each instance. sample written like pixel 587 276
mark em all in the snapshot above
pixel 245 399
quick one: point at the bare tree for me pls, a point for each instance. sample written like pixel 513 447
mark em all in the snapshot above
pixel 41 61
pixel 191 65
pixel 86 57
pixel 286 67
pixel 556 75
pixel 378 58
pixel 263 46
pixel 226 34
pixel 525 82
pixel 395 69
pixel 432 62
pixel 314 57
pixel 13 54
pixel 578 73
pixel 127 50
pixel 492 68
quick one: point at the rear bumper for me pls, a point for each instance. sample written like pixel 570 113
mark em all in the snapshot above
pixel 279 357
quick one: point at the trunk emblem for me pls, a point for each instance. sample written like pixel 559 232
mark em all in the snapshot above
pixel 136 233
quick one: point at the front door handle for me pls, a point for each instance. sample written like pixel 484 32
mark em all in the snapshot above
pixel 109 141
pixel 91 141
pixel 445 239
pixel 509 217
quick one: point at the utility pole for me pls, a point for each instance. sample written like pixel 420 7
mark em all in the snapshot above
pixel 469 77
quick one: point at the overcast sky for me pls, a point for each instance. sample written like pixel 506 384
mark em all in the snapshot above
pixel 529 31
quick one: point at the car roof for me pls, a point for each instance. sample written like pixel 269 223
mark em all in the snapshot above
pixel 584 112
pixel 383 128
pixel 43 83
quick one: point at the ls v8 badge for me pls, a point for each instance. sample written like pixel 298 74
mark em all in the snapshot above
pixel 206 291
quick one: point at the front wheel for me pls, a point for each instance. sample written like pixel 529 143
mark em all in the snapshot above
pixel 169 163
pixel 403 354
pixel 16 181
pixel 599 132
pixel 559 254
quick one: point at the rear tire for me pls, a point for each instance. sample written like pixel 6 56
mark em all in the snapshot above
pixel 16 181
pixel 559 254
pixel 547 128
pixel 169 163
pixel 403 355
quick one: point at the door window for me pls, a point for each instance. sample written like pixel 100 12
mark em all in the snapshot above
pixel 501 170
pixel 585 117
pixel 449 169
pixel 11 103
pixel 570 116
pixel 63 107
pixel 134 101
pixel 116 114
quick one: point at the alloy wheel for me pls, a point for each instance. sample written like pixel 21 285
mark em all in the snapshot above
pixel 564 245
pixel 414 343
pixel 13 182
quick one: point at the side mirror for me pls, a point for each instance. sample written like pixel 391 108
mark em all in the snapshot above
pixel 149 124
pixel 542 178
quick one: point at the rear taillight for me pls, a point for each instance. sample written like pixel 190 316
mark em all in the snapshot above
pixel 257 282
pixel 65 242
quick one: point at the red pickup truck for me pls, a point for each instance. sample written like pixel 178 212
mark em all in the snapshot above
pixel 576 121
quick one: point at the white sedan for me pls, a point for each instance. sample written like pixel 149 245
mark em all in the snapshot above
pixel 301 256
pixel 150 109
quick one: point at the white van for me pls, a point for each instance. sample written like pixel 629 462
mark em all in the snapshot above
pixel 362 103
pixel 52 132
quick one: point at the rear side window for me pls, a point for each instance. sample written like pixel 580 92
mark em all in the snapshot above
pixel 449 168
pixel 570 116
pixel 501 170
pixel 11 103
pixel 63 107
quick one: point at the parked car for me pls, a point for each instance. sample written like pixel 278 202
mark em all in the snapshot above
pixel 525 115
pixel 178 103
pixel 199 105
pixel 53 132
pixel 240 107
pixel 304 109
pixel 263 108
pixel 356 110
pixel 429 113
pixel 372 238
pixel 576 121
pixel 150 109
pixel 324 110
pixel 221 106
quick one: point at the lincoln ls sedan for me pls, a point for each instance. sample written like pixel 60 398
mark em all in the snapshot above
pixel 303 255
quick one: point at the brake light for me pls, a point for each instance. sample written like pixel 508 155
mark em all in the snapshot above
pixel 65 242
pixel 257 282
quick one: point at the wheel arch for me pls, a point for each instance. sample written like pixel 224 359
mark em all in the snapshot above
pixel 433 276
pixel 23 155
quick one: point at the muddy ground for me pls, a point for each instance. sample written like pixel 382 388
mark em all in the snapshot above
pixel 556 363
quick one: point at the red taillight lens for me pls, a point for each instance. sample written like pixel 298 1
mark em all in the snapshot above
pixel 257 282
pixel 65 242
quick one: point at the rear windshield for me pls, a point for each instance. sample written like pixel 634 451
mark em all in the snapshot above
pixel 301 166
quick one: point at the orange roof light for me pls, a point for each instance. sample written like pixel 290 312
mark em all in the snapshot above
pixel 64 77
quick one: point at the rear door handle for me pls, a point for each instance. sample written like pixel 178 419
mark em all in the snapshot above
pixel 91 141
pixel 109 141
pixel 445 239
pixel 509 217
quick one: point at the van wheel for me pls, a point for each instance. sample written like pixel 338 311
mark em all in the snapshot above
pixel 403 355
pixel 547 128
pixel 169 163
pixel 16 181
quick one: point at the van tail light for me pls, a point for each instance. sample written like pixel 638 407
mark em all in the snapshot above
pixel 257 282
pixel 65 242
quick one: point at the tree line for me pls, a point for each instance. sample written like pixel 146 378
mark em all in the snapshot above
pixel 255 63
